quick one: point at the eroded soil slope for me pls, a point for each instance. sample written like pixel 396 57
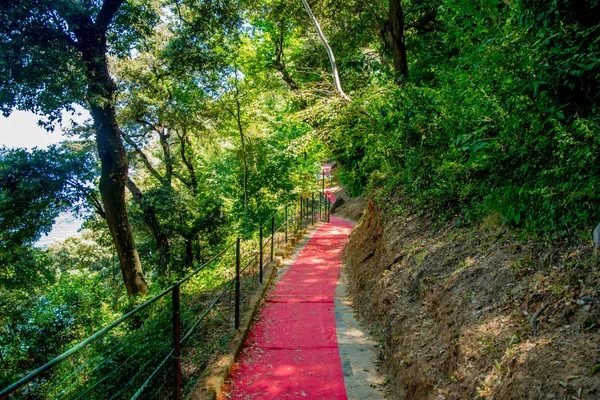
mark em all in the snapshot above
pixel 476 313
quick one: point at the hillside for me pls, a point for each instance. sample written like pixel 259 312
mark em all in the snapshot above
pixel 475 312
pixel 469 130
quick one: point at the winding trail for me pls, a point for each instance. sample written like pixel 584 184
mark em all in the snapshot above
pixel 306 343
pixel 292 349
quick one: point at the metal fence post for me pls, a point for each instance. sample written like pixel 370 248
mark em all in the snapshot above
pixel 286 224
pixel 237 284
pixel 328 210
pixel 260 254
pixel 312 214
pixel 272 235
pixel 176 314
pixel 320 206
pixel 301 219
pixel 306 212
pixel 323 195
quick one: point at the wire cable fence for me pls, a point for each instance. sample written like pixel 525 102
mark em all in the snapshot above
pixel 160 349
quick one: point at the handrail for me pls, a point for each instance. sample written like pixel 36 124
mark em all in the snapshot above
pixel 189 332
pixel 156 371
pixel 302 216
pixel 21 382
pixel 193 273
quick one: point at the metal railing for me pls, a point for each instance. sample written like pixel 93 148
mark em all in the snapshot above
pixel 141 355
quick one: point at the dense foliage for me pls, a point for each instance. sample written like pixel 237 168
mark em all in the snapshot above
pixel 225 109
pixel 499 115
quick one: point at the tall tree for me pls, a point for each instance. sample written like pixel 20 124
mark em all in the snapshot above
pixel 334 70
pixel 275 21
pixel 54 54
pixel 160 111
pixel 396 27
pixel 236 112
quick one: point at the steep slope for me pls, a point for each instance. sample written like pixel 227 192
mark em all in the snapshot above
pixel 476 313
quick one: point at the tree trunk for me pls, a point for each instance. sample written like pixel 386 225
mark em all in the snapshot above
pixel 237 115
pixel 114 160
pixel 185 143
pixel 279 62
pixel 287 78
pixel 160 238
pixel 112 188
pixel 166 146
pixel 92 44
pixel 245 170
pixel 334 70
pixel 396 26
pixel 243 138
pixel 189 251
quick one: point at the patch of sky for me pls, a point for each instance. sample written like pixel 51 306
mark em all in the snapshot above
pixel 22 130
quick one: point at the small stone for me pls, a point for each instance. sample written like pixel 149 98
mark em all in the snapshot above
pixel 596 236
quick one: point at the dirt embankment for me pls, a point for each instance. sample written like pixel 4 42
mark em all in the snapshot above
pixel 347 207
pixel 476 313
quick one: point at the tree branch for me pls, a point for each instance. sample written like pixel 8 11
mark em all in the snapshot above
pixel 97 205
pixel 106 14
pixel 182 179
pixel 144 158
pixel 149 124
pixel 184 140
pixel 163 136
pixel 334 70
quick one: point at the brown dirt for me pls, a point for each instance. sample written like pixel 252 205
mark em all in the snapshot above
pixel 351 208
pixel 476 313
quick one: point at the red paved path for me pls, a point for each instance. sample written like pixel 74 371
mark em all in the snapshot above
pixel 291 351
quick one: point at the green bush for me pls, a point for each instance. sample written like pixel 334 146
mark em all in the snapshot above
pixel 501 117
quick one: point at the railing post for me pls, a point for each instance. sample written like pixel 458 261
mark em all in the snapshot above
pixel 320 206
pixel 286 224
pixel 328 210
pixel 312 216
pixel 260 255
pixel 176 315
pixel 323 195
pixel 301 221
pixel 272 235
pixel 306 212
pixel 237 284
